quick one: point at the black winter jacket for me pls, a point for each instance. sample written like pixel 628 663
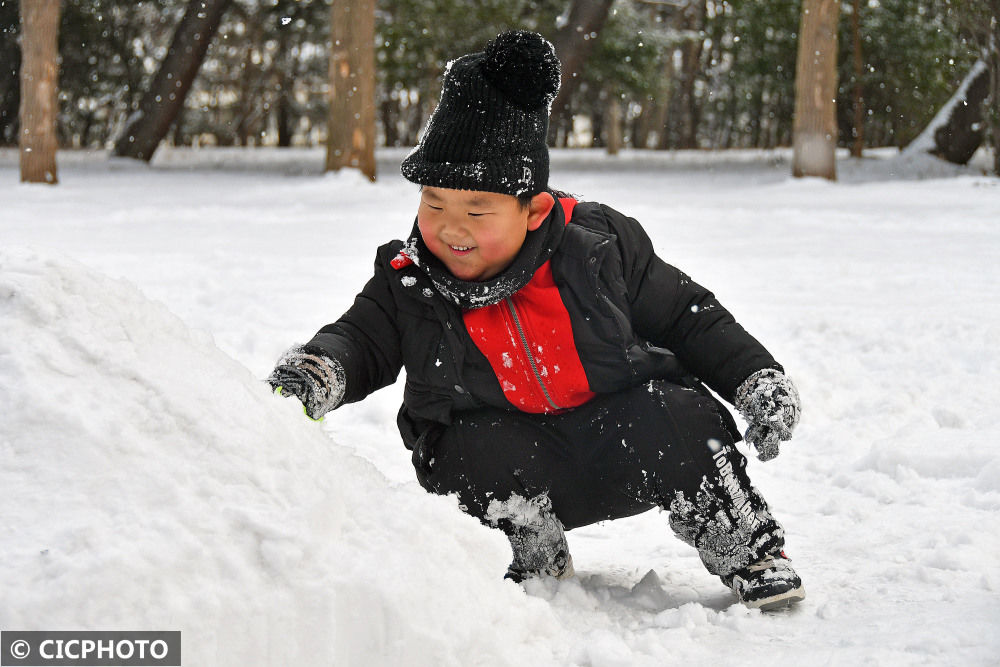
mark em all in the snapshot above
pixel 634 318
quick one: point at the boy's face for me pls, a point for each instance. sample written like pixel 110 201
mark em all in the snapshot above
pixel 476 235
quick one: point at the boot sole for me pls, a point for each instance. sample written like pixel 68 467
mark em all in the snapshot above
pixel 778 601
pixel 568 571
pixel 521 577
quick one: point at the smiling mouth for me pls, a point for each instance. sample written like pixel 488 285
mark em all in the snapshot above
pixel 461 249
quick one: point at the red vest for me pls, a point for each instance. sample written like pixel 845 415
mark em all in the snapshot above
pixel 528 340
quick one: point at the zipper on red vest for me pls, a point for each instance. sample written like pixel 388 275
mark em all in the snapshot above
pixel 526 348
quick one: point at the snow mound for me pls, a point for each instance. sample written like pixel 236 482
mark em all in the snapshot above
pixel 152 483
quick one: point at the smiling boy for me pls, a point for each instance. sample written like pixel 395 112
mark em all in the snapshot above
pixel 477 234
pixel 555 366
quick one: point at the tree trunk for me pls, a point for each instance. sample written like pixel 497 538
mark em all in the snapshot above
pixel 597 138
pixel 693 17
pixel 165 98
pixel 351 129
pixel 389 114
pixel 993 110
pixel 666 89
pixel 39 88
pixel 177 136
pixel 285 80
pixel 574 42
pixel 284 112
pixel 959 138
pixel 995 113
pixel 613 124
pixel 815 140
pixel 858 146
pixel 756 103
pixel 10 85
pixel 956 131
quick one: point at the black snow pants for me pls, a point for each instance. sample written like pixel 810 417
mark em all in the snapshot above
pixel 656 445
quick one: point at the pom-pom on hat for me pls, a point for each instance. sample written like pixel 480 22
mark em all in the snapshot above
pixel 488 131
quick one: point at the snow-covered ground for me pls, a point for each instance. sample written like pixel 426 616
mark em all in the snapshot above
pixel 148 479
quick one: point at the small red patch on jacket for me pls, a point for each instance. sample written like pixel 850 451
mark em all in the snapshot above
pixel 400 261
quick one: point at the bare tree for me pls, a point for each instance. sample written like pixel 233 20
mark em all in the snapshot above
pixel 858 145
pixel 980 19
pixel 574 41
pixel 692 24
pixel 613 131
pixel 815 128
pixel 164 100
pixel 994 108
pixel 956 131
pixel 351 131
pixel 39 87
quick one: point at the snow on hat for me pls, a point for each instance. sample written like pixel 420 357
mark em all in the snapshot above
pixel 488 131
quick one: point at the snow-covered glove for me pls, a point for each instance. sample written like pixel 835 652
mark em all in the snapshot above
pixel 769 402
pixel 315 379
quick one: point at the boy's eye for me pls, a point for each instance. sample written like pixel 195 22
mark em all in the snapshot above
pixel 436 208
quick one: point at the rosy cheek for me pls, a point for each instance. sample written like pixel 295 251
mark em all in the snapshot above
pixel 427 231
pixel 489 247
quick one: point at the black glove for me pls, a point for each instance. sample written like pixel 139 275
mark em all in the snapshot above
pixel 769 402
pixel 313 378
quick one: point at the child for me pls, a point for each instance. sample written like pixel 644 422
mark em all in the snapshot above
pixel 554 364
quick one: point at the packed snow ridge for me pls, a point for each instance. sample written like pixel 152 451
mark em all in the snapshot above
pixel 150 481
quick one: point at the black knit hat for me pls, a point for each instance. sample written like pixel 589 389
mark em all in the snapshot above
pixel 488 131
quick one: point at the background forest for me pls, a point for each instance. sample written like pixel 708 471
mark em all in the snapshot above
pixel 677 73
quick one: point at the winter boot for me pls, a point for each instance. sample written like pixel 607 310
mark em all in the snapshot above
pixel 768 584
pixel 537 538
